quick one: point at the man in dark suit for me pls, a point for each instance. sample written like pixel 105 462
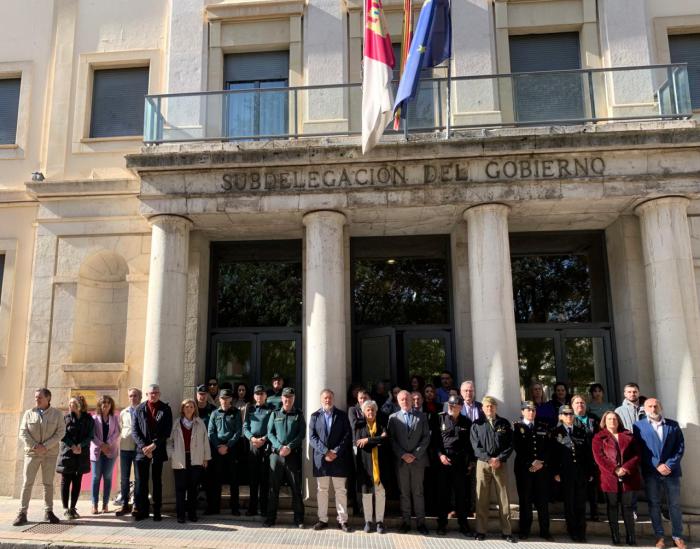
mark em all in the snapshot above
pixel 662 444
pixel 410 436
pixel 330 439
pixel 153 422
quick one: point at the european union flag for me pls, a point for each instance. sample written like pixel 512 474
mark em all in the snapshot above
pixel 431 45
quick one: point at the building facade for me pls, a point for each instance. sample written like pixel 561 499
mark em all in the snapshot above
pixel 544 226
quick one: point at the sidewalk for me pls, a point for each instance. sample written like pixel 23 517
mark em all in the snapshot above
pixel 108 531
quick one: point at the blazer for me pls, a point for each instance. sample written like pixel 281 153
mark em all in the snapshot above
pixel 79 431
pixel 364 476
pixel 144 436
pixel 669 450
pixel 610 454
pixel 410 440
pixel 338 439
pixel 571 453
pixel 113 437
pixel 200 449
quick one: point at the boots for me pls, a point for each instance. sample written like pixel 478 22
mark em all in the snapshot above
pixel 125 510
pixel 615 533
pixel 631 538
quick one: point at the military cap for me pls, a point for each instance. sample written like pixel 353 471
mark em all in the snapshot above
pixel 202 389
pixel 258 389
pixel 288 392
pixel 226 393
pixel 528 405
pixel 276 375
pixel 566 409
pixel 455 400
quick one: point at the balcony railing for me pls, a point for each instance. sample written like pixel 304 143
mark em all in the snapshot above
pixel 655 92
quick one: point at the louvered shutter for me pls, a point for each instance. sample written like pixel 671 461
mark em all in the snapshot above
pixel 685 48
pixel 547 96
pixel 118 102
pixel 9 104
pixel 252 67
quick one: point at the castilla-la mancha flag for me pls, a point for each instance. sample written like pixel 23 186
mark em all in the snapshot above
pixel 377 95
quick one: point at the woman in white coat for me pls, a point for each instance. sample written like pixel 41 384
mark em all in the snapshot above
pixel 189 453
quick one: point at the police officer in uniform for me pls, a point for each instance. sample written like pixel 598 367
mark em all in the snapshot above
pixel 285 431
pixel 455 458
pixel 533 445
pixel 255 432
pixel 572 465
pixel 274 395
pixel 225 431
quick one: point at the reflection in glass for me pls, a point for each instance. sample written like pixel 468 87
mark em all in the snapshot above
pixel 375 359
pixel 551 288
pixel 556 96
pixel 400 291
pixel 585 361
pixel 278 356
pixel 427 357
pixel 536 362
pixel 256 113
pixel 233 361
pixel 262 293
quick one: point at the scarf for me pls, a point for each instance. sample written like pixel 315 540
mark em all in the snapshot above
pixel 187 423
pixel 372 429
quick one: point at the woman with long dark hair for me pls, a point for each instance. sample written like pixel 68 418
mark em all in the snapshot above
pixel 104 450
pixel 617 455
pixel 74 453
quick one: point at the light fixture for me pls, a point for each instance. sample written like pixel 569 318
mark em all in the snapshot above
pixel 391 261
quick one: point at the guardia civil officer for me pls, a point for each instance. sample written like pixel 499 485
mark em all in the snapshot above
pixel 274 394
pixel 255 431
pixel 533 446
pixel 572 465
pixel 455 457
pixel 285 431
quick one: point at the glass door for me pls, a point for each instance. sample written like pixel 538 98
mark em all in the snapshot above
pixel 426 354
pixel 280 353
pixel 234 357
pixel 376 350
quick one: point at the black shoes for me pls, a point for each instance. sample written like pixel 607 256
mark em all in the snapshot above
pixel 479 536
pixel 125 510
pixel 368 528
pixel 547 537
pixel 51 518
pixel 210 512
pixel 300 525
pixel 269 523
pixel 465 531
pixel 509 538
pixel 20 520
pixel 193 517
pixel 344 527
pixel 380 528
pixel 235 512
pixel 181 520
pixel 423 530
pixel 441 531
pixel 320 525
pixel 250 513
pixel 405 527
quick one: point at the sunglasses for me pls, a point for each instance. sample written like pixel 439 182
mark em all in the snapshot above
pixel 567 414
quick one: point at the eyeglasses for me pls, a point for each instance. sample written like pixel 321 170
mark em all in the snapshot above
pixel 567 414
pixel 213 384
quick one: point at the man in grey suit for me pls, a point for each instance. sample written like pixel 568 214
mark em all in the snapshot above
pixel 410 435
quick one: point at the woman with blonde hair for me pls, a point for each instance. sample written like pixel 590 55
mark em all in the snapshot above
pixel 189 452
pixel 104 451
pixel 74 458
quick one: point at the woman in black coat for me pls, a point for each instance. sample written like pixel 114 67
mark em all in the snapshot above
pixel 371 440
pixel 74 453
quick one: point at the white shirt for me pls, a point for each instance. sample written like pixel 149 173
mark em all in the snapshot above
pixel 658 427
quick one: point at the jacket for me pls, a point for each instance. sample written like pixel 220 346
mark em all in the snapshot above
pixel 410 440
pixel 113 437
pixel 337 439
pixel 200 450
pixel 225 428
pixel 655 452
pixel 144 436
pixel 286 429
pixel 492 442
pixel 47 429
pixel 531 443
pixel 126 424
pixel 610 454
pixel 572 458
pixel 364 476
pixel 629 413
pixel 453 439
pixel 256 420
pixel 79 431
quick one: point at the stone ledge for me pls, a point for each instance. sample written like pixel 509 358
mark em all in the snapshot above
pixel 96 374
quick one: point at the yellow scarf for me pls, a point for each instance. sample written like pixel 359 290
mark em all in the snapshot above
pixel 375 454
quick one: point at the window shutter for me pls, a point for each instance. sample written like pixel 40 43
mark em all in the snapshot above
pixel 118 102
pixel 548 96
pixel 9 105
pixel 251 67
pixel 685 48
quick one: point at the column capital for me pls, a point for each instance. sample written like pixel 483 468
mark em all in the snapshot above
pixel 496 207
pixel 165 220
pixel 324 215
pixel 654 203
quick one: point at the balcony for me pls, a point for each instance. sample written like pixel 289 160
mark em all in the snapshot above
pixel 443 104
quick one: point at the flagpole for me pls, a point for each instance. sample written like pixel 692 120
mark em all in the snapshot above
pixel 449 90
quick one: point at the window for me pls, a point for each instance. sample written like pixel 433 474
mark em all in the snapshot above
pixel 257 112
pixel 554 96
pixel 9 105
pixel 685 48
pixel 118 102
pixel 421 110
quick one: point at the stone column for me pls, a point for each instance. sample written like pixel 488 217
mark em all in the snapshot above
pixel 492 316
pixel 675 324
pixel 324 314
pixel 164 351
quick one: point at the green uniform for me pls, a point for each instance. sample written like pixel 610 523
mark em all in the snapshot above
pixel 255 425
pixel 274 400
pixel 225 428
pixel 286 429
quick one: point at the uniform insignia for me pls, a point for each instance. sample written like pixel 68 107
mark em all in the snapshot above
pixel 522 429
pixel 444 427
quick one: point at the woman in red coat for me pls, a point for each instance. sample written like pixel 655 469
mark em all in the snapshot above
pixel 617 455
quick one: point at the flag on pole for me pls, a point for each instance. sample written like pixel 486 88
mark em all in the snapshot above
pixel 377 95
pixel 431 45
pixel 405 45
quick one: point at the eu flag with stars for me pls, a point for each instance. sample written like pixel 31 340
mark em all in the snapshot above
pixel 431 45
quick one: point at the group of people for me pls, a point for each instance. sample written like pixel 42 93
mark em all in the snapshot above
pixel 405 441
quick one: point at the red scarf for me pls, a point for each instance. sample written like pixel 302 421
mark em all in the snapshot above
pixel 151 408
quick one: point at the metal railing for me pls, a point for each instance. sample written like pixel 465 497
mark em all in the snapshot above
pixel 653 92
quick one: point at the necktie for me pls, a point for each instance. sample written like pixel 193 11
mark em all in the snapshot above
pixel 407 418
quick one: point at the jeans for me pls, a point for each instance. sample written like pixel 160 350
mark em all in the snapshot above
pixel 655 484
pixel 126 460
pixel 102 468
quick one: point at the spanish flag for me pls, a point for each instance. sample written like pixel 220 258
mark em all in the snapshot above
pixel 378 63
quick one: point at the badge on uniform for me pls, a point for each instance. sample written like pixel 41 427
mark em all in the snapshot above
pixel 444 427
pixel 522 430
